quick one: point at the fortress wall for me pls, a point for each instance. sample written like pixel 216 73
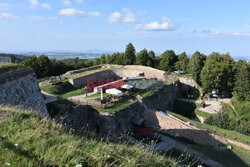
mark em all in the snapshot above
pixel 20 89
pixel 148 71
pixel 83 70
pixel 104 75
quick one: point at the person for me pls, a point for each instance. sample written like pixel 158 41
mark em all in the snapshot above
pixel 203 104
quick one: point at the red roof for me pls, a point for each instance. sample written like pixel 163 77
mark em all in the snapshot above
pixel 116 84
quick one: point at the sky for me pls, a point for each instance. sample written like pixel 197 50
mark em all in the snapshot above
pixel 77 25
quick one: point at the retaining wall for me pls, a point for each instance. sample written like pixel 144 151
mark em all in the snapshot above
pixel 20 89
pixel 104 75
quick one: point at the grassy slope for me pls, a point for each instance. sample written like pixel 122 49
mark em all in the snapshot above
pixel 26 140
pixel 64 89
pixel 90 72
pixel 9 68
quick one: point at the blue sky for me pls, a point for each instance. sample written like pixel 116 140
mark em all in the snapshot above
pixel 77 25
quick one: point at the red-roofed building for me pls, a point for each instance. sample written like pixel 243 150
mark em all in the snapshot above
pixel 116 84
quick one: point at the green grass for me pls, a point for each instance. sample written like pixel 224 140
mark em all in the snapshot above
pixel 97 95
pixel 118 106
pixel 64 89
pixel 29 140
pixel 90 72
pixel 148 92
pixel 200 113
pixel 9 68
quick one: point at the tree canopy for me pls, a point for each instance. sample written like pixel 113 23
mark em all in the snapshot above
pixel 182 62
pixel 242 80
pixel 167 61
pixel 130 54
pixel 218 73
pixel 195 65
pixel 142 58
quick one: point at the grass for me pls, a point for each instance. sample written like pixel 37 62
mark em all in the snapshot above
pixel 148 92
pixel 63 89
pixel 90 72
pixel 200 113
pixel 29 140
pixel 119 106
pixel 9 68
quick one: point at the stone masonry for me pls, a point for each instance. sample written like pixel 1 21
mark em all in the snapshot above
pixel 20 89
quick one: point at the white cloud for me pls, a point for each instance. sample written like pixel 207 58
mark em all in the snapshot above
pixel 7 16
pixel 33 3
pixel 67 3
pixel 72 12
pixel 115 17
pixel 78 13
pixel 166 25
pixel 128 17
pixel 46 6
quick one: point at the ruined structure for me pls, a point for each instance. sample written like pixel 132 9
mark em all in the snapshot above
pixel 20 89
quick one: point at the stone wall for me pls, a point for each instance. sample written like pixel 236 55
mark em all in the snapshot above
pixel 20 89
pixel 135 70
pixel 111 125
pixel 104 75
pixel 83 70
pixel 164 99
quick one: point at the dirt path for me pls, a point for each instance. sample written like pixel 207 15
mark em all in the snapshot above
pixel 48 97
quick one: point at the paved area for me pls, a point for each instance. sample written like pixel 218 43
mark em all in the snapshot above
pixel 212 106
pixel 48 97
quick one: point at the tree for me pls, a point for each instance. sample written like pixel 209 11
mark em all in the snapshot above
pixel 182 62
pixel 44 65
pixel 167 61
pixel 142 58
pixel 76 61
pixel 32 62
pixel 97 61
pixel 151 55
pixel 108 59
pixel 195 65
pixel 102 59
pixel 242 80
pixel 130 54
pixel 218 73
